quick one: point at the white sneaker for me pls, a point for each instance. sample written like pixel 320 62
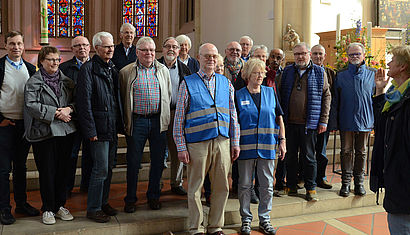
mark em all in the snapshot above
pixel 48 217
pixel 64 214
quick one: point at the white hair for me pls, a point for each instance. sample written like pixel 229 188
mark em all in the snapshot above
pixel 183 38
pixel 357 44
pixel 97 41
pixel 248 38
pixel 261 47
pixel 144 40
pixel 127 25
pixel 302 44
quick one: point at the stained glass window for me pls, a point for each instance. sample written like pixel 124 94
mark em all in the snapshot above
pixel 143 14
pixel 65 18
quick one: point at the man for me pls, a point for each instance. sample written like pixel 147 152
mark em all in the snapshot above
pixel 206 133
pixel 14 73
pixel 233 64
pixel 177 72
pixel 260 52
pixel 305 99
pixel 246 44
pixel 99 115
pixel 80 47
pixel 352 102
pixel 275 60
pixel 146 95
pixel 318 57
pixel 125 53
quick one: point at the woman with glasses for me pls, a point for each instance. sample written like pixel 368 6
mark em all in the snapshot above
pixel 49 127
pixel 262 130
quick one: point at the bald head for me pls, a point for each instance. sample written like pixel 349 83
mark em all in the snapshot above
pixel 233 51
pixel 81 48
pixel 208 54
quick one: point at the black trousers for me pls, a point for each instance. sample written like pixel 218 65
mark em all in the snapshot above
pixel 52 158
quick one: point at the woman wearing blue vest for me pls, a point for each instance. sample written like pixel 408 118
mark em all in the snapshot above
pixel 262 128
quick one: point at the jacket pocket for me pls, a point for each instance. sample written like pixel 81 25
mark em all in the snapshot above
pixel 101 122
pixel 38 131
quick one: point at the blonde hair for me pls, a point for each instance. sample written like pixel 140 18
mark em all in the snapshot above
pixel 249 66
pixel 402 54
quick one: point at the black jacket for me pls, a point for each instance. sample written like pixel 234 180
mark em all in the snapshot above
pixel 391 154
pixel 70 69
pixel 120 59
pixel 98 100
pixel 30 68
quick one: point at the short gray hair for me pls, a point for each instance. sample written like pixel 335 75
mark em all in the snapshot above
pixel 320 46
pixel 358 44
pixel 170 38
pixel 261 47
pixel 97 41
pixel 302 44
pixel 183 38
pixel 127 25
pixel 144 40
pixel 247 37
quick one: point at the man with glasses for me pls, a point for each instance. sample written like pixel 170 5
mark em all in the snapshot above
pixel 125 52
pixel 233 64
pixel 206 133
pixel 305 100
pixel 80 47
pixel 99 114
pixel 177 71
pixel 353 113
pixel 246 43
pixel 146 90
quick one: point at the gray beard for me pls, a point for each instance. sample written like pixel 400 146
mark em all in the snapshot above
pixel 170 57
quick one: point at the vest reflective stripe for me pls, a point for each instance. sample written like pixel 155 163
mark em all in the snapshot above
pixel 207 117
pixel 206 112
pixel 259 130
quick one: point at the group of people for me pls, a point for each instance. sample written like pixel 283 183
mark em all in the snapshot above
pixel 208 113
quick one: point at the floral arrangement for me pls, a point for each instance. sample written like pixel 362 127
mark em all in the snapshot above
pixel 356 35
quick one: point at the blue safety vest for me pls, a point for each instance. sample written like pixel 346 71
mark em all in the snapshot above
pixel 259 130
pixel 207 118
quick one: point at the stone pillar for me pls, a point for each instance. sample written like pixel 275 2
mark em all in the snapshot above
pixel 277 23
pixel 307 22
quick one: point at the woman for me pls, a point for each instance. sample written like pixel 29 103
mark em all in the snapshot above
pixel 49 127
pixel 262 128
pixel 185 46
pixel 219 65
pixel 391 152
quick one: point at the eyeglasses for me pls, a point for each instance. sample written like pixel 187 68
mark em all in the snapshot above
pixel 53 60
pixel 209 57
pixel 258 73
pixel 174 47
pixel 234 50
pixel 300 54
pixel 355 54
pixel 147 50
pixel 81 45
pixel 107 47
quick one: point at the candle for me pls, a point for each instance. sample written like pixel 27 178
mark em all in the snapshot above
pixel 369 35
pixel 44 23
pixel 338 27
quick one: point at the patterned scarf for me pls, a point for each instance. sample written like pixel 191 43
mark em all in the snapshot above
pixel 233 69
pixel 52 80
pixel 394 94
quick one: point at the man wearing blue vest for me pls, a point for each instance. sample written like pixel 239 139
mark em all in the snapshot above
pixel 206 133
pixel 305 99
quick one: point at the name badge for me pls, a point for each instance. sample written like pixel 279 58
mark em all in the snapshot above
pixel 245 102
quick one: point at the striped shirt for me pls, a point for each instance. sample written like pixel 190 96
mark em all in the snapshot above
pixel 146 90
pixel 182 109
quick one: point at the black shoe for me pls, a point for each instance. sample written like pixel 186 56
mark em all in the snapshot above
pixel 179 190
pixel 27 209
pixel 98 216
pixel 154 204
pixel 292 191
pixel 6 217
pixel 83 189
pixel 130 207
pixel 344 190
pixel 359 190
pixel 254 198
pixel 108 210
pixel 324 184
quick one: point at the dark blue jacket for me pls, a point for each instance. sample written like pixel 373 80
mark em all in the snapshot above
pixel 352 99
pixel 119 58
pixel 193 65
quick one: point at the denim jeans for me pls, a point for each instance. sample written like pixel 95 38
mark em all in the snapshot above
pixel 321 157
pixel 399 224
pixel 13 150
pixel 143 129
pixel 304 140
pixel 102 154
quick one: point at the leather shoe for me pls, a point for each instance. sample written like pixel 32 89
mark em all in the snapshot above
pixel 108 210
pixel 27 209
pixel 179 190
pixel 324 184
pixel 344 190
pixel 6 217
pixel 98 216
pixel 359 190
pixel 154 204
pixel 217 233
pixel 130 207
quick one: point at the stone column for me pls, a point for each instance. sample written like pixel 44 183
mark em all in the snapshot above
pixel 307 22
pixel 277 23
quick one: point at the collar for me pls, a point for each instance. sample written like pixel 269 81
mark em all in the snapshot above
pixel 14 64
pixel 79 62
pixel 203 75
pixel 140 66
pixel 246 58
pixel 184 61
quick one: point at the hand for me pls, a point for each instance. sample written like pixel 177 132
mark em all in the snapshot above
pixel 321 129
pixel 381 81
pixel 235 150
pixel 92 139
pixel 183 157
pixel 63 114
pixel 282 150
pixel 7 122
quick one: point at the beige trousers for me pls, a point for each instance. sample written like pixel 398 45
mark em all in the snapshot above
pixel 213 157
